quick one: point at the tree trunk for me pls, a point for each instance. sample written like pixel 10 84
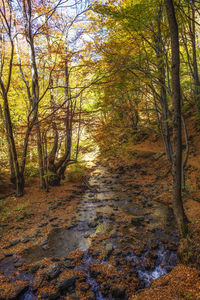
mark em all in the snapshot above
pixel 27 11
pixel 195 66
pixel 163 95
pixel 19 179
pixel 178 209
pixel 12 169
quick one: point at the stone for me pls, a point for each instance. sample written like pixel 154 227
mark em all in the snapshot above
pixel 137 220
pixel 50 296
pixel 18 264
pixel 14 243
pixel 26 239
pixel 53 271
pixel 109 248
pixel 8 254
pixel 34 268
pixel 18 288
pixel 118 293
pixel 92 223
pixel 84 287
pixel 43 224
pixel 53 219
pixel 86 235
pixel 69 264
pixel 113 234
pixel 67 283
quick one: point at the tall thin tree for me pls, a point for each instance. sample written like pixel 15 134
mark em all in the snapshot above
pixel 179 213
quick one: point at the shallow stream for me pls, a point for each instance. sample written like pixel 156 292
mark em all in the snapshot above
pixel 99 212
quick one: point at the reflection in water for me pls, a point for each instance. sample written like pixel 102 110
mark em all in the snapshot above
pixel 60 243
pixel 101 202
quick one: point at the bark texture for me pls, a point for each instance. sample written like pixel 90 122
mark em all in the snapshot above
pixel 177 136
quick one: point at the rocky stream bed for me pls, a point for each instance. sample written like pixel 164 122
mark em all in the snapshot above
pixel 118 242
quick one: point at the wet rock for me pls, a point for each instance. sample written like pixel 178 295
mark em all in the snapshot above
pixel 43 224
pixel 50 296
pixel 86 235
pixel 13 243
pixel 149 220
pixel 15 289
pixel 113 234
pixel 172 260
pixel 55 259
pixel 84 287
pixel 108 250
pixel 94 273
pixel 8 254
pixel 54 206
pixel 69 263
pixel 26 239
pixel 92 223
pixel 53 219
pixel 53 271
pixel 136 220
pixel 66 283
pixel 119 293
pixel 45 242
pixel 18 264
pixel 34 268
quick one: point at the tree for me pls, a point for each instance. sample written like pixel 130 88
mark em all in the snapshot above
pixel 179 213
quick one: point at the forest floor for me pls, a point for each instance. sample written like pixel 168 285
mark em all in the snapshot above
pixel 104 239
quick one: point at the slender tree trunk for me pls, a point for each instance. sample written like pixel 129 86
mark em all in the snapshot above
pixel 27 11
pixel 195 66
pixel 12 169
pixel 79 129
pixel 19 178
pixel 163 94
pixel 178 209
pixel 68 120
